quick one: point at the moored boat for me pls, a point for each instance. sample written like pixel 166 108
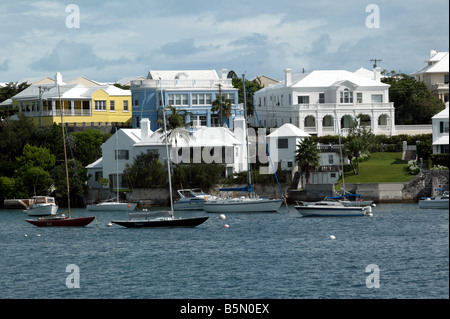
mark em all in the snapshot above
pixel 329 208
pixel 61 221
pixel 191 199
pixel 439 202
pixel 42 206
pixel 111 206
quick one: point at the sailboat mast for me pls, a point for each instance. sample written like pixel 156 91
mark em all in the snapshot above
pixel 246 132
pixel 61 108
pixel 167 148
pixel 342 159
pixel 117 167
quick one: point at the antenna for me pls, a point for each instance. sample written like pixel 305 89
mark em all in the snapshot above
pixel 374 61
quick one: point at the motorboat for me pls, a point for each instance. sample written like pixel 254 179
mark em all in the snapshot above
pixel 111 206
pixel 191 199
pixel 42 206
pixel 439 201
pixel 331 208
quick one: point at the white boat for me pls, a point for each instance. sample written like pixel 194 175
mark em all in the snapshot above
pixel 111 206
pixel 42 206
pixel 191 199
pixel 328 208
pixel 242 205
pixel 352 200
pixel 439 201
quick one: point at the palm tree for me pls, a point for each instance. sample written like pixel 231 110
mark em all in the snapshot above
pixel 222 105
pixel 307 156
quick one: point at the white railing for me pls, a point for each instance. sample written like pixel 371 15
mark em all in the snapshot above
pixel 45 113
pixel 337 106
pixel 214 83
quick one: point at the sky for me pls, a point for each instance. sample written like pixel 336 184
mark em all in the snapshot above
pixel 110 40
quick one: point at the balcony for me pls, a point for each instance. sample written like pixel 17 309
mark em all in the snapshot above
pixel 339 106
pixel 50 113
pixel 182 83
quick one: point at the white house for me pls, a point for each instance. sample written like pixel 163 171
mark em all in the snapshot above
pixel 322 101
pixel 205 145
pixel 440 124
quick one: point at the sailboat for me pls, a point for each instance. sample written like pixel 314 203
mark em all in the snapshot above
pixel 113 205
pixel 143 220
pixel 60 219
pixel 250 204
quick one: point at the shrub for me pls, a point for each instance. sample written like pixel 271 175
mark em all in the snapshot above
pixel 413 167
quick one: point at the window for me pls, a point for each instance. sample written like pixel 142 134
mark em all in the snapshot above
pixel 100 105
pixel 303 99
pixel 330 159
pixel 202 119
pixel 359 97
pixel 377 98
pixel 346 96
pixel 125 105
pixel 282 143
pixel 136 102
pixel 177 99
pixel 443 127
pixel 121 154
pixel 112 106
pixel 321 98
pixel 446 79
pixel 202 99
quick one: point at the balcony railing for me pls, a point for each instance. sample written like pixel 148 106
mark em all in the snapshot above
pixel 336 106
pixel 47 113
pixel 214 83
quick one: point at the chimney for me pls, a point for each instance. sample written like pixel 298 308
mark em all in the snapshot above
pixel 58 79
pixel 223 74
pixel 287 77
pixel 377 74
pixel 145 128
pixel 432 53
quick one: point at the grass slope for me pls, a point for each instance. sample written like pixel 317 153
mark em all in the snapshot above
pixel 381 167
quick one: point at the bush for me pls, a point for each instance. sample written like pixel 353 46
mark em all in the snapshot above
pixel 413 167
pixel 440 159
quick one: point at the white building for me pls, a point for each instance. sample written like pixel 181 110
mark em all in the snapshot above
pixel 435 74
pixel 321 101
pixel 440 124
pixel 205 145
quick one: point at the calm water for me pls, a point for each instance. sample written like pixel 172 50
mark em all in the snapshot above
pixel 276 255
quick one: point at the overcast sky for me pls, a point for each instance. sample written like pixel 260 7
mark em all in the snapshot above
pixel 121 38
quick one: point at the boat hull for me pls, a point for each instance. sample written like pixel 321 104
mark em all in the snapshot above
pixel 162 223
pixel 45 210
pixel 61 222
pixel 310 211
pixel 242 206
pixel 434 204
pixel 189 205
pixel 111 207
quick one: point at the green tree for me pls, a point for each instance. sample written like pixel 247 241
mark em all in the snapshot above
pixel 223 106
pixel 307 156
pixel 413 101
pixel 202 176
pixel 359 141
pixel 146 172
pixel 14 134
pixel 250 89
pixel 77 182
pixel 88 145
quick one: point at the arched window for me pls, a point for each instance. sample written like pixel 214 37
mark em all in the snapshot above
pixel 327 121
pixel 382 119
pixel 365 120
pixel 346 121
pixel 310 121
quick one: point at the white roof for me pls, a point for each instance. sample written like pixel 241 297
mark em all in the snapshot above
pixel 97 164
pixel 183 74
pixel 438 63
pixel 443 140
pixel 288 130
pixel 133 133
pixel 442 114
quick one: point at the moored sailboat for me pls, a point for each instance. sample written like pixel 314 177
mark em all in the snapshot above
pixel 61 219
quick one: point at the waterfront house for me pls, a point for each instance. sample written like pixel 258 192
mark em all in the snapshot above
pixel 205 145
pixel 321 102
pixel 440 124
pixel 192 92
pixel 435 74
pixel 85 102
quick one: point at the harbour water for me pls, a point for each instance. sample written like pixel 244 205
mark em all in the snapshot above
pixel 399 252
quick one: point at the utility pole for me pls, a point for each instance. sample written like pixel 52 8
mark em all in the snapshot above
pixel 374 61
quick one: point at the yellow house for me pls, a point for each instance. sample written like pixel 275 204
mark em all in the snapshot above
pixel 100 105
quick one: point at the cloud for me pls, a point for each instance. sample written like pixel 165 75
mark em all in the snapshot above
pixel 72 55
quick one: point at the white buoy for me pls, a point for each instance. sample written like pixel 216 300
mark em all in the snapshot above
pixel 109 224
pixel 332 237
pixel 370 214
pixel 38 235
pixel 221 216
pixel 226 225
pixel 25 235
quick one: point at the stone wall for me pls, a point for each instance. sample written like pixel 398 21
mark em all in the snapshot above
pixel 424 183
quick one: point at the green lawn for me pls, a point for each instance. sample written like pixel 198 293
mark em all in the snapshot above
pixel 381 167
